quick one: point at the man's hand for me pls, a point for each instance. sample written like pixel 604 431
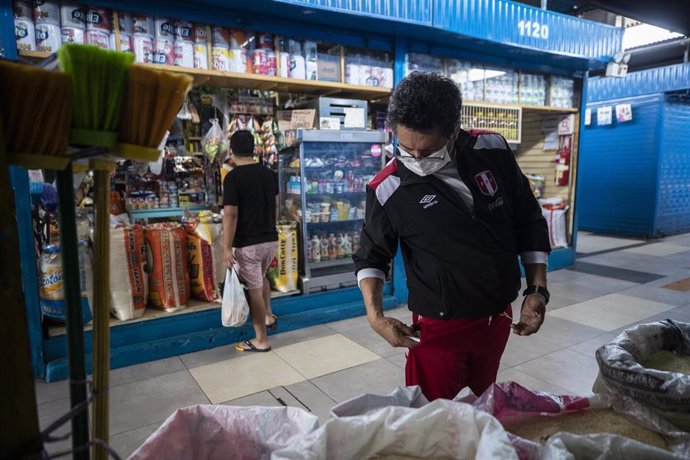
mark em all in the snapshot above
pixel 394 331
pixel 229 258
pixel 531 315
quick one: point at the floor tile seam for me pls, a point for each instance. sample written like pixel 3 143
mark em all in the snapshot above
pixel 154 377
pixel 560 347
pixel 158 422
pixel 540 379
pixel 302 402
pixel 119 385
pixel 621 276
pixel 129 429
pixel 283 403
pixel 304 377
pixel 620 248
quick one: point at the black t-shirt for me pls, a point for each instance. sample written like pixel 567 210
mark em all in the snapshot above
pixel 253 189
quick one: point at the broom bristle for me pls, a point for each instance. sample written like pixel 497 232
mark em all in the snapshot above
pixel 98 82
pixel 38 106
pixel 153 100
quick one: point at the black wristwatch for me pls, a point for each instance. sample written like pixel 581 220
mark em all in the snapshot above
pixel 538 290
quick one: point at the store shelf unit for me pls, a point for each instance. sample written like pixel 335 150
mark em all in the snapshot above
pixel 330 198
pixel 237 80
pixel 160 213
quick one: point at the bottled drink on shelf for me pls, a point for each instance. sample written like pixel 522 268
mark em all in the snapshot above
pixel 315 245
pixel 332 248
pixel 324 247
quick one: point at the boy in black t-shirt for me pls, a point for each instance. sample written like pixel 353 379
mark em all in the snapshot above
pixel 250 208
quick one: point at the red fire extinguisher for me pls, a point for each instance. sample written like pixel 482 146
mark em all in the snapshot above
pixel 563 162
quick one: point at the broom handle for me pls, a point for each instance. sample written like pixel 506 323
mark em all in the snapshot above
pixel 101 311
pixel 73 309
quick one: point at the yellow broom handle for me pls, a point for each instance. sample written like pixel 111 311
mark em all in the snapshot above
pixel 101 310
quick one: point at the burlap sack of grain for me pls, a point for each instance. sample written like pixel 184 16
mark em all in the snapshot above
pixel 622 369
pixel 284 275
pixel 129 283
pixel 166 246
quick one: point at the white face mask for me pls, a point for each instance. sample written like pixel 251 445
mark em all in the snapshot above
pixel 427 165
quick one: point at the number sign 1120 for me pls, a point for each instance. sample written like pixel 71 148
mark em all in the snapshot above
pixel 533 29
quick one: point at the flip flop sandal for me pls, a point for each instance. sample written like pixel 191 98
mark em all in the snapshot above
pixel 250 347
pixel 274 325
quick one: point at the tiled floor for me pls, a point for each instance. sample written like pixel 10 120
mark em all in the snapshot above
pixel 616 283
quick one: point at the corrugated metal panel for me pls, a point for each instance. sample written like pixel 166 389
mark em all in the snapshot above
pixel 673 209
pixel 662 79
pixel 417 11
pixel 618 170
pixel 521 25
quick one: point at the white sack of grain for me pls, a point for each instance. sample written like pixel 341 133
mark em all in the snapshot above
pixel 622 369
pixel 441 429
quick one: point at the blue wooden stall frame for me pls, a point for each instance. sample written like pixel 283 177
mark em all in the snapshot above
pixel 395 26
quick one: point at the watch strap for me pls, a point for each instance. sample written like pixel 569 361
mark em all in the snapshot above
pixel 538 290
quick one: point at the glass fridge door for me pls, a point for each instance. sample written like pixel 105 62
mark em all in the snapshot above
pixel 330 180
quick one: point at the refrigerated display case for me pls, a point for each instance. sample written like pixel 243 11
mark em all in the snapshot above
pixel 323 179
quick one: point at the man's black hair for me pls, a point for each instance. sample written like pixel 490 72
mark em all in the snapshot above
pixel 424 101
pixel 242 143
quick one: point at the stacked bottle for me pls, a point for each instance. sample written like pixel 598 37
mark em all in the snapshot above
pixel 24 29
pixel 142 40
pixel 164 42
pixel 47 26
pixel 184 44
pixel 73 22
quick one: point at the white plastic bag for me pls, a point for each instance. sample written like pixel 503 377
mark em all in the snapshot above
pixel 235 306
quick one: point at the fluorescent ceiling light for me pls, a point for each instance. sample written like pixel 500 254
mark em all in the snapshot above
pixel 645 34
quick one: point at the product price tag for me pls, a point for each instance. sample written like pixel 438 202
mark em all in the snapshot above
pixel 354 117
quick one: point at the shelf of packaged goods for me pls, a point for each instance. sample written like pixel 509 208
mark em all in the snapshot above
pixel 525 107
pixel 331 263
pixel 159 213
pixel 334 195
pixel 334 222
pixel 237 80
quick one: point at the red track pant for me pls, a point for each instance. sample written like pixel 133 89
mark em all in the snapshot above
pixel 456 353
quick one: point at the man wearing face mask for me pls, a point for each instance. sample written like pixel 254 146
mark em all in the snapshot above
pixel 462 212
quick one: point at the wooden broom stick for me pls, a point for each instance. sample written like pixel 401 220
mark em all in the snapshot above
pixel 101 309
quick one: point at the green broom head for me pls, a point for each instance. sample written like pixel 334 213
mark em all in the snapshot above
pixel 98 83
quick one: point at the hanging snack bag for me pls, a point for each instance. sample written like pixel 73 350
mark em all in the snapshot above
pixel 284 274
pixel 214 142
pixel 166 246
pixel 128 272
pixel 200 241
